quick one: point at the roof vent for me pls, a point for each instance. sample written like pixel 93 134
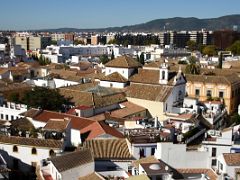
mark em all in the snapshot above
pixel 155 167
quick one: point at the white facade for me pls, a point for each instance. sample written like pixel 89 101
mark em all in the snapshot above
pixel 147 148
pixel 54 83
pixel 73 173
pixel 79 171
pixel 75 133
pixel 75 137
pixel 112 84
pixel 177 156
pixel 125 72
pixel 24 154
pixel 222 144
pixel 54 58
pixel 225 169
pixel 11 111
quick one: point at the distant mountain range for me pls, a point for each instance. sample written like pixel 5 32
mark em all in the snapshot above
pixel 176 23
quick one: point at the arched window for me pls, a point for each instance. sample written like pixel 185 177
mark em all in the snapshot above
pixel 163 74
pixel 15 149
pixel 34 151
pixel 51 153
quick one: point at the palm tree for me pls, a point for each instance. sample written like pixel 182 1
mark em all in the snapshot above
pixel 192 67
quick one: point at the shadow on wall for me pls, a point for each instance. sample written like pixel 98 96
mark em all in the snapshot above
pixel 19 169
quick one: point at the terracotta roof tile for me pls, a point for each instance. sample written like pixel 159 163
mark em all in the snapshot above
pixel 211 174
pixel 147 76
pixel 232 159
pixel 90 97
pixel 49 143
pixel 108 148
pixel 123 62
pixel 114 77
pixel 149 159
pixel 148 92
pixel 217 79
pixel 100 128
pixel 92 176
pixel 57 124
pixel 127 110
pixel 77 122
pixel 22 124
pixel 72 160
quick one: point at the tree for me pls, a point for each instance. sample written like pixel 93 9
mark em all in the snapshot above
pixel 44 61
pixel 209 50
pixel 220 60
pixel 141 59
pixel 112 55
pixel 192 45
pixel 14 97
pixel 104 58
pixel 53 42
pixel 44 98
pixel 192 67
pixel 235 48
pixel 78 41
pixel 112 41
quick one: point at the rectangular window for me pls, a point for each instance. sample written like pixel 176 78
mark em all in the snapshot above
pixel 1 116
pixel 6 117
pixel 12 117
pixel 221 94
pixel 209 93
pixel 221 166
pixel 214 152
pixel 214 162
pixel 152 151
pixel 197 92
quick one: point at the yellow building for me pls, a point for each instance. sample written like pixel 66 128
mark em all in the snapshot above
pixel 225 87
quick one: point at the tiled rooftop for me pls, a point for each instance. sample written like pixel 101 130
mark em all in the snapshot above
pixel 232 159
pixel 71 160
pixel 58 125
pixel 127 110
pixel 148 92
pixel 209 172
pixel 109 148
pixel 123 62
pixel 44 116
pixel 114 77
pixel 35 142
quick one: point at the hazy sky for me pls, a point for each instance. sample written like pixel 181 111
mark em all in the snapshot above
pixel 38 14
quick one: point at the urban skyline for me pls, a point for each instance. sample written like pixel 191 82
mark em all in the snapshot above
pixel 97 14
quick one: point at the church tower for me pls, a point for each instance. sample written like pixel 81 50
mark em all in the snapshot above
pixel 163 74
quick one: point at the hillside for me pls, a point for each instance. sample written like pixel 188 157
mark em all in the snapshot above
pixel 176 23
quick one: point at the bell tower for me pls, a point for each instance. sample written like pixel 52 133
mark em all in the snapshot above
pixel 163 74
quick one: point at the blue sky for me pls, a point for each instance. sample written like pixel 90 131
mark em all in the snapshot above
pixel 38 14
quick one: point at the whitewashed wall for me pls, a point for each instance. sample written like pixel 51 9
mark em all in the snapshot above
pixel 25 153
pixel 125 72
pixel 112 84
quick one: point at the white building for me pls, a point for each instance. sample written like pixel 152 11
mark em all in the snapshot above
pixel 23 153
pixel 51 83
pixel 219 143
pixel 228 165
pixel 158 90
pixel 72 165
pixel 11 111
pixel 118 71
pixel 177 156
